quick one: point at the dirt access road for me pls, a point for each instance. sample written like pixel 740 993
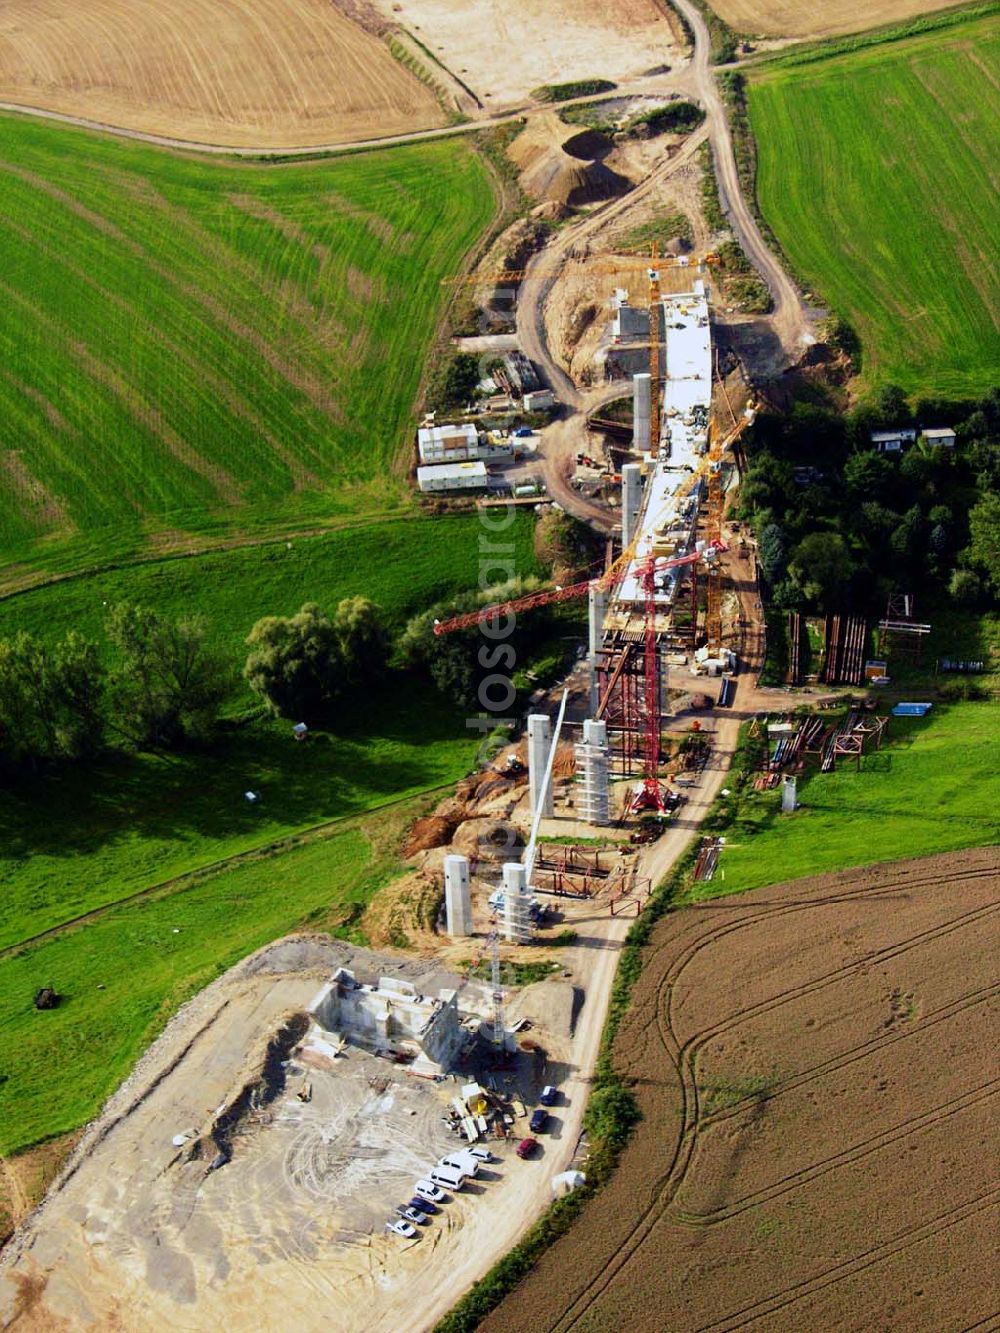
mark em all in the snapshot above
pixel 820 1113
pixel 789 317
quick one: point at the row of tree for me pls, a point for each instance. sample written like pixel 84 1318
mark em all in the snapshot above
pixel 157 684
pixel 839 525
pixel 59 701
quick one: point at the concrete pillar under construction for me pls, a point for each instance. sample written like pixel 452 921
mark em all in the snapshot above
pixel 539 739
pixel 641 400
pixel 516 904
pixel 595 694
pixel 457 895
pixel 598 606
pixel 593 801
pixel 631 500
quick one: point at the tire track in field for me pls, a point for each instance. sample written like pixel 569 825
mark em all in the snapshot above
pixel 858 1263
pixel 937 1115
pixel 671 1181
pixel 689 1050
pixel 970 1000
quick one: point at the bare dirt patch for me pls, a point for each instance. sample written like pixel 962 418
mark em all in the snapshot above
pixel 37 500
pixel 265 73
pixel 812 1063
pixel 504 49
pixel 25 1178
pixel 268 1211
pixel 793 18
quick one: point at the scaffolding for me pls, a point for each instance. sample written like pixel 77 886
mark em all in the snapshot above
pixel 592 797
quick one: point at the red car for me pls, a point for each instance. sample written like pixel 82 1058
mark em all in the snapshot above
pixel 526 1147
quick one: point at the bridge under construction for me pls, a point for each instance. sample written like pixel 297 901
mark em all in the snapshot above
pixel 672 536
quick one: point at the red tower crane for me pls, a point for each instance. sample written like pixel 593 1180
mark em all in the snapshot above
pixel 651 795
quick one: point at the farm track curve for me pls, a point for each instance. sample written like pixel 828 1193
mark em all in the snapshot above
pixel 681 1055
pixel 911 1236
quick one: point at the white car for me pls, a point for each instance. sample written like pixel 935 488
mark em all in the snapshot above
pixel 400 1228
pixel 483 1154
pixel 426 1189
pixel 461 1162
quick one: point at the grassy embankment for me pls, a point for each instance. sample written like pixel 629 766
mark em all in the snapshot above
pixel 125 972
pixel 930 789
pixel 875 172
pixel 199 350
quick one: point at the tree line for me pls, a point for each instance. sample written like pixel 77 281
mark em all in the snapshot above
pixel 157 683
pixel 840 526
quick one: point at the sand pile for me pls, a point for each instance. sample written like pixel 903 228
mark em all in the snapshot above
pixel 433 831
pixel 564 165
pixel 488 840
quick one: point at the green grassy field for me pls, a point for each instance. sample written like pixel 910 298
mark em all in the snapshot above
pixel 194 353
pixel 194 348
pixel 125 973
pixel 877 172
pixel 931 789
pixel 131 821
pixel 404 564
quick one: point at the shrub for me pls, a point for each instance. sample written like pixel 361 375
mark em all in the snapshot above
pixel 565 92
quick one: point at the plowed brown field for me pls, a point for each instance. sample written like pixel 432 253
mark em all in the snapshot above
pixel 795 18
pixel 815 1063
pixel 255 73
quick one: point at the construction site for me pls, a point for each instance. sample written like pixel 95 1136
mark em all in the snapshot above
pixel 268 1140
pixel 659 603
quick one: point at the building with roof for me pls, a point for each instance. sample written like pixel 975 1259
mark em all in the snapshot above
pixel 942 437
pixel 892 441
pixel 447 444
pixel 467 476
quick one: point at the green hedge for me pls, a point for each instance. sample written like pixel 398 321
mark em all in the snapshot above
pixel 565 92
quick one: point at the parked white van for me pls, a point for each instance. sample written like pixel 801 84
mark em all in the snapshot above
pixel 448 1177
pixel 460 1161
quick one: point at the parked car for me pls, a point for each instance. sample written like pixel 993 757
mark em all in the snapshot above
pixel 549 1095
pixel 452 1178
pixel 481 1154
pixel 401 1228
pixel 428 1190
pixel 539 1119
pixel 413 1215
pixel 422 1205
pixel 526 1147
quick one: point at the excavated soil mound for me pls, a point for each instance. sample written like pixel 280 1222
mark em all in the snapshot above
pixel 434 831
pixel 565 763
pixel 565 166
pixel 402 915
pixel 490 840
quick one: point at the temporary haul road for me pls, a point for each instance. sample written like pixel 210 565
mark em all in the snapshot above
pixel 491 1235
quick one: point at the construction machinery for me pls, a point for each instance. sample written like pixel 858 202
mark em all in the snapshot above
pixel 606 581
pixel 651 794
